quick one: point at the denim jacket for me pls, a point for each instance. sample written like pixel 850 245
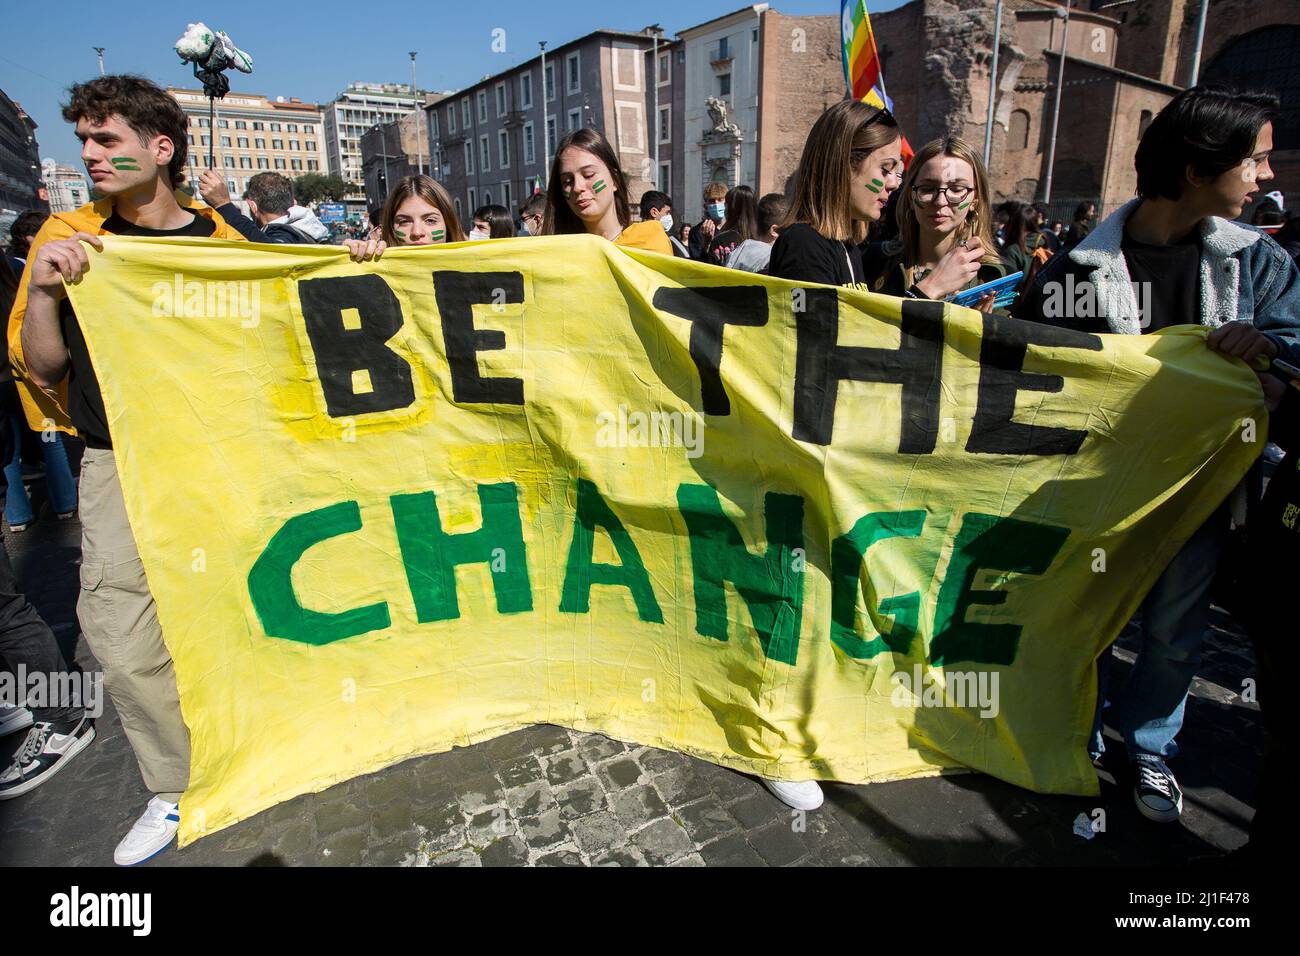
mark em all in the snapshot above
pixel 1245 276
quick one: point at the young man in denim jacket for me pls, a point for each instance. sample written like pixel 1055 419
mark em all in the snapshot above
pixel 1174 257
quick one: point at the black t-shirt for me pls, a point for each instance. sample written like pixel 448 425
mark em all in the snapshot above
pixel 803 254
pixel 1170 280
pixel 85 403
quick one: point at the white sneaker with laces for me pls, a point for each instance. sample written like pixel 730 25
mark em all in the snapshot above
pixel 798 794
pixel 150 834
pixel 14 719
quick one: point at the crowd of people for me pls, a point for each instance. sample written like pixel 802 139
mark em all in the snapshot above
pixel 855 215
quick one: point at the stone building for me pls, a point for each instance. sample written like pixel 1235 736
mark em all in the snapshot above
pixel 1123 63
pixel 348 116
pixel 65 186
pixel 20 165
pixel 390 151
pixel 493 140
pixel 254 134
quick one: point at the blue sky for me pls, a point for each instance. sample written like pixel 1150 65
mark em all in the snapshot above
pixel 311 51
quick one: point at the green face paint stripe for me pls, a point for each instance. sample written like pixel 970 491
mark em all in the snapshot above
pixel 437 234
pixel 965 204
pixel 399 234
pixel 124 162
pixel 874 189
pixel 600 185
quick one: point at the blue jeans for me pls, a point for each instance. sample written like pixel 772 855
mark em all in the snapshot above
pixel 1175 614
pixel 58 475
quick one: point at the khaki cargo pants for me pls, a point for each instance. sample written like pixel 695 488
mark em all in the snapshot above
pixel 120 623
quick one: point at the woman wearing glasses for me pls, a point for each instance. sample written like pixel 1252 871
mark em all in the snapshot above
pixel 945 224
pixel 851 164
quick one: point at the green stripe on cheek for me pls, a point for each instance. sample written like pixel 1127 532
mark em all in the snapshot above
pixel 399 234
pixel 436 235
pixel 600 185
pixel 965 204
pixel 125 162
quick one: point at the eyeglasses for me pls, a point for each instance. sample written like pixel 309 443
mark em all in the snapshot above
pixel 955 193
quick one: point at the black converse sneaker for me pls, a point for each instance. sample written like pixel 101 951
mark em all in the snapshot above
pixel 1156 792
pixel 43 754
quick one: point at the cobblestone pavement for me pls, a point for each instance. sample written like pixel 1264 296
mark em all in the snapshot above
pixel 548 796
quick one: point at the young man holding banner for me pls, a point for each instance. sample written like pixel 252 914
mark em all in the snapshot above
pixel 134 147
pixel 1174 257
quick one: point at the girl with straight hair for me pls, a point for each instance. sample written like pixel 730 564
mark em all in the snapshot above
pixel 418 212
pixel 945 228
pixel 851 164
pixel 587 193
pixel 740 225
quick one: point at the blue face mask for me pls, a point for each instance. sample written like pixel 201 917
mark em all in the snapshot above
pixel 717 211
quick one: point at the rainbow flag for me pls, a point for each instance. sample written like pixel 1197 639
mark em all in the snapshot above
pixel 862 74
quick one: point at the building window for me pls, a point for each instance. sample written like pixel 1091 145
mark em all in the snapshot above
pixel 191 139
pixel 665 178
pixel 311 146
pixel 503 148
pixel 469 156
pixel 482 106
pixel 526 91
pixel 575 119
pixel 459 214
pixel 464 113
pixel 203 121
pixel 293 128
pixel 279 163
pixel 473 200
pixel 242 141
pixel 295 164
pixel 484 157
pixel 724 51
pixel 550 81
pixel 293 144
pixel 262 163
pixel 277 144
pixel 487 198
pixel 1144 120
pixel 433 124
pixel 665 69
pixel 550 135
pixel 205 140
pixel 245 162
pixel 451 119
pixel 240 124
pixel 506 199
pixel 724 84
pixel 665 124
pixel 501 99
pixel 312 166
pixel 572 73
pixel 530 148
pixel 229 161
pixel 259 142
pixel 275 127
pixel 223 123
pixel 225 141
pixel 1018 132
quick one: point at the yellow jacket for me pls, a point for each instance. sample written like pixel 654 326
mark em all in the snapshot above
pixel 44 407
pixel 647 235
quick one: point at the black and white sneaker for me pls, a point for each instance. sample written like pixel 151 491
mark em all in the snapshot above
pixel 42 755
pixel 1156 792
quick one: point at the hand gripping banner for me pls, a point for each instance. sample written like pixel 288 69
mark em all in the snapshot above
pixel 804 532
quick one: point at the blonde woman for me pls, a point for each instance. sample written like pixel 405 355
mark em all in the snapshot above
pixel 945 223
pixel 418 212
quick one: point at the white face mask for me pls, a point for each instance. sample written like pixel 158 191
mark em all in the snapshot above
pixel 479 234
pixel 667 222
pixel 717 211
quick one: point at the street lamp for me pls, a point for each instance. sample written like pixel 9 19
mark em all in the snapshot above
pixel 419 109
pixel 1056 111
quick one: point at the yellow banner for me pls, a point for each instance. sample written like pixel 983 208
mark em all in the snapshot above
pixel 805 532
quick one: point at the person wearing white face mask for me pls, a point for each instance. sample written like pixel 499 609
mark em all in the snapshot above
pixel 492 222
pixel 657 205
pixel 532 214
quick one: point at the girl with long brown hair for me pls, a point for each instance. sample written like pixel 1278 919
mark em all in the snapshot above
pixel 851 164
pixel 418 212
pixel 587 193
pixel 945 224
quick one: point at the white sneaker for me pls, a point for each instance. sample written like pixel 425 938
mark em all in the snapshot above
pixel 14 719
pixel 798 794
pixel 150 834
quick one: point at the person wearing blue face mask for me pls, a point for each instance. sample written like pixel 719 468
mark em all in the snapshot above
pixel 658 205
pixel 715 210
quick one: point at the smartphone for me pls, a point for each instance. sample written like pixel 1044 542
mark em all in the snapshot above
pixel 1005 288
pixel 1286 369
